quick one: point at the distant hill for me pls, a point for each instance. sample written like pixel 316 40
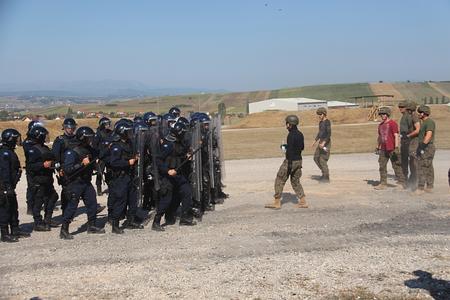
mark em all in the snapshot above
pixel 434 92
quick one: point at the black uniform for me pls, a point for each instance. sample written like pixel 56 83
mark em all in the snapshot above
pixel 27 144
pixel 206 176
pixel 174 189
pixel 78 183
pixel 60 145
pixel 122 191
pixel 41 184
pixel 100 144
pixel 151 178
pixel 10 173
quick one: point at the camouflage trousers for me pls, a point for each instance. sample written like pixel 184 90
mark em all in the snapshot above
pixel 425 167
pixel 408 158
pixel 293 170
pixel 395 159
pixel 321 159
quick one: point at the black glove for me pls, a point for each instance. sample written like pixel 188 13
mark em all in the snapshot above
pixel 421 149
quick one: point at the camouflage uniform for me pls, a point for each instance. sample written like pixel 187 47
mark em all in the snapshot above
pixel 425 155
pixel 295 172
pixel 394 157
pixel 321 158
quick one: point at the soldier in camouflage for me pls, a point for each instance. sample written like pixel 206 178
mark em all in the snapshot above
pixel 323 138
pixel 425 151
pixel 291 166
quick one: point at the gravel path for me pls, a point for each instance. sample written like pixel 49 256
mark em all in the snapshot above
pixel 352 242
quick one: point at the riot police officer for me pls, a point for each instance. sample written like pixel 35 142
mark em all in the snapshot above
pixel 78 167
pixel 10 173
pixel 206 163
pixel 175 187
pixel 100 144
pixel 122 191
pixel 40 165
pixel 175 111
pixel 60 145
pixel 27 144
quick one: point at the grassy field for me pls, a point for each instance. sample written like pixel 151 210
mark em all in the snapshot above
pixel 236 102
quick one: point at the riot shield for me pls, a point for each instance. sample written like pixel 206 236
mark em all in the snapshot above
pixel 196 163
pixel 218 155
pixel 139 151
pixel 211 158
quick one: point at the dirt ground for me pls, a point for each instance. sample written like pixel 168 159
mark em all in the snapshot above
pixel 352 243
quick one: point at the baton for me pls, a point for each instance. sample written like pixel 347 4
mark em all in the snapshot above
pixel 188 159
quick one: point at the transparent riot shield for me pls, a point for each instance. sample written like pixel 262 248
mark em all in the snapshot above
pixel 196 163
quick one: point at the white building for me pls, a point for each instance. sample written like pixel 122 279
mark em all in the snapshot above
pixel 295 104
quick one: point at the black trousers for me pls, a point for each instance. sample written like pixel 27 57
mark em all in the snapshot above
pixel 75 191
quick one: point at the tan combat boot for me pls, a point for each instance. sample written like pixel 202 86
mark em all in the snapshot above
pixel 275 205
pixel 381 186
pixel 302 203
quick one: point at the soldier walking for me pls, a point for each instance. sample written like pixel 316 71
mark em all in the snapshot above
pixel 425 151
pixel 291 166
pixel 323 138
pixel 388 149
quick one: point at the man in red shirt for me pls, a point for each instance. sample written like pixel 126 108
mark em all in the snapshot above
pixel 388 149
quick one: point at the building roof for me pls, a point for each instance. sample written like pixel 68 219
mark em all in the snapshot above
pixel 332 104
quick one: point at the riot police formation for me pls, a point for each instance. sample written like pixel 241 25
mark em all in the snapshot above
pixel 166 164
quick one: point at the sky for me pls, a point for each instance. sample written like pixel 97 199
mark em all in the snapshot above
pixel 232 45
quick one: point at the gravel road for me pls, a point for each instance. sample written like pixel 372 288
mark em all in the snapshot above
pixel 352 242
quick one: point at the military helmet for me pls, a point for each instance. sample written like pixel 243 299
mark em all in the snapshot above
pixel 384 110
pixel 137 119
pixel 292 119
pixel 175 111
pixel 69 123
pixel 104 121
pixel 411 106
pixel 403 104
pixel 204 119
pixel 424 109
pixel 321 111
pixel 83 133
pixel 38 133
pixel 11 137
pixel 183 120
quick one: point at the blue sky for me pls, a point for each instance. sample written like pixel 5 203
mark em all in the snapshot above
pixel 232 45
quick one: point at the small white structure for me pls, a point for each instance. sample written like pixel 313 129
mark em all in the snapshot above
pixel 286 104
pixel 295 104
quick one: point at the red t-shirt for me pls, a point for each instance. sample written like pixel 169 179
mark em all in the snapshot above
pixel 386 137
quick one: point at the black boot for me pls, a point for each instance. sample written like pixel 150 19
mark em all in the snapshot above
pixel 16 232
pixel 170 219
pixel 64 233
pixel 91 228
pixel 6 237
pixel 209 207
pixel 41 226
pixel 156 226
pixel 48 221
pixel 99 190
pixel 131 223
pixel 115 227
pixel 187 220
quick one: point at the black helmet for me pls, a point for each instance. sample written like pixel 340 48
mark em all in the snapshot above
pixel 103 122
pixel 175 111
pixel 204 119
pixel 11 137
pixel 194 120
pixel 39 134
pixel 84 133
pixel 150 118
pixel 169 117
pixel 178 129
pixel 140 125
pixel 123 129
pixel 123 121
pixel 292 119
pixel 137 119
pixel 33 123
pixel 183 120
pixel 69 123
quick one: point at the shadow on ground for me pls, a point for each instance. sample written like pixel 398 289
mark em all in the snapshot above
pixel 439 289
